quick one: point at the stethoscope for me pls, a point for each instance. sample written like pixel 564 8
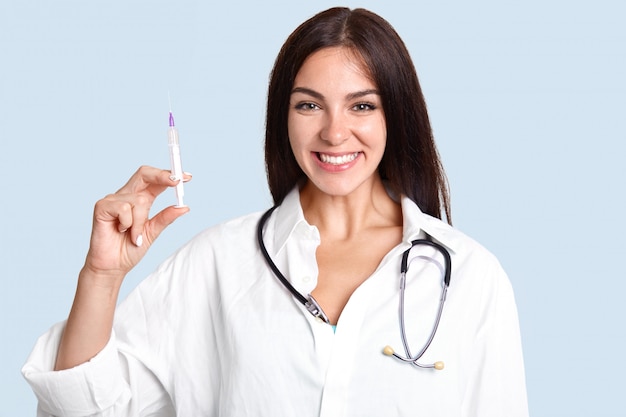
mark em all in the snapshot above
pixel 314 308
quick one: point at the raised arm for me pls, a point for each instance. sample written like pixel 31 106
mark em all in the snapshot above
pixel 122 234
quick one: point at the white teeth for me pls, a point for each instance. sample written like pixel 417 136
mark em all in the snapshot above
pixel 338 160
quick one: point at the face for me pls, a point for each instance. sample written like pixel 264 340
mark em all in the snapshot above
pixel 336 122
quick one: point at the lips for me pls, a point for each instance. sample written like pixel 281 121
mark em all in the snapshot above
pixel 337 159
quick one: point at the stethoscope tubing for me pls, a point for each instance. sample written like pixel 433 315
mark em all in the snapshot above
pixel 404 267
pixel 309 303
pixel 268 258
pixel 314 308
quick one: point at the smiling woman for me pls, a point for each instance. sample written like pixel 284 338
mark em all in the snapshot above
pixel 372 50
pixel 336 123
pixel 357 184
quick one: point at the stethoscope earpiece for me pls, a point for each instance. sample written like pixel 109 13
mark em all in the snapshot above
pixel 388 350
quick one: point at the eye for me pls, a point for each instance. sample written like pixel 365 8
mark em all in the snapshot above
pixel 364 107
pixel 306 106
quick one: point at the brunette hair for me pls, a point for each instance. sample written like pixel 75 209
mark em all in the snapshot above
pixel 410 164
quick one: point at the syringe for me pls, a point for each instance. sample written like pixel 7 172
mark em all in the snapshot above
pixel 175 162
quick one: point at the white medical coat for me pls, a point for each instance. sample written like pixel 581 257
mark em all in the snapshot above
pixel 212 332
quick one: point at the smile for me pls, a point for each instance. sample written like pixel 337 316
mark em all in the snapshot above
pixel 337 160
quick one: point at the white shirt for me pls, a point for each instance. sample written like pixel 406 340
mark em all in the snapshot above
pixel 212 332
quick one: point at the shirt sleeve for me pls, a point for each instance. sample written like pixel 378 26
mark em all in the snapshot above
pixel 103 386
pixel 497 385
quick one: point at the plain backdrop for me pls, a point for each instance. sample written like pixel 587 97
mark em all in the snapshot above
pixel 527 101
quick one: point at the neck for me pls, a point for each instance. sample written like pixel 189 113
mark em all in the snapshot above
pixel 344 217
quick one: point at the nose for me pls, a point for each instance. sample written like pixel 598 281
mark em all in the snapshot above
pixel 335 130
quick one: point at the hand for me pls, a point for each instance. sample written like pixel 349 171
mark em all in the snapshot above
pixel 122 233
pixel 122 230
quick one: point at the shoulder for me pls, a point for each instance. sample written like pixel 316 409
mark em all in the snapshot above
pixel 209 253
pixel 194 271
pixel 472 263
pixel 459 244
pixel 235 233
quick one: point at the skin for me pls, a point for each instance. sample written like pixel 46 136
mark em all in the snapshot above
pixel 121 235
pixel 335 110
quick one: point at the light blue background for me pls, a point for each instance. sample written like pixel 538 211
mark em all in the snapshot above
pixel 527 101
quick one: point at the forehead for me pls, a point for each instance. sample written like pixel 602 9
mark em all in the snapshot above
pixel 338 64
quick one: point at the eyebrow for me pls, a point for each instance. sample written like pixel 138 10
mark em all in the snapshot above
pixel 319 96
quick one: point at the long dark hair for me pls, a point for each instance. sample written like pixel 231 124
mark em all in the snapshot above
pixel 410 164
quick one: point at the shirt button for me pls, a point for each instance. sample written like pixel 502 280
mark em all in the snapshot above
pixel 306 278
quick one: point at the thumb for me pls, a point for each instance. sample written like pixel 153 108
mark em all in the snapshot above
pixel 161 220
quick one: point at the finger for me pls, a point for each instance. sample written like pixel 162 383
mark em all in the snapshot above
pixel 130 212
pixel 148 178
pixel 135 200
pixel 161 220
pixel 186 177
pixel 113 209
pixel 124 217
pixel 140 215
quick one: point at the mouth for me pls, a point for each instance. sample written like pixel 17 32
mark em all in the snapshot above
pixel 337 159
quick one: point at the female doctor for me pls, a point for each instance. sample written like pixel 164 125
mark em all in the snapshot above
pixel 219 330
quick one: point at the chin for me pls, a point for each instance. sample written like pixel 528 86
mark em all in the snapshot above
pixel 338 189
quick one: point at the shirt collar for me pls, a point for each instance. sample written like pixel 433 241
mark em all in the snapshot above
pixel 415 221
pixel 289 218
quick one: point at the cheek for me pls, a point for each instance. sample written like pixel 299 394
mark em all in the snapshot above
pixel 291 130
pixel 295 142
pixel 376 134
pixel 382 132
pixel 298 133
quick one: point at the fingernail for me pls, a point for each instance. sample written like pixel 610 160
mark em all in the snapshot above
pixel 139 241
pixel 173 177
pixel 188 173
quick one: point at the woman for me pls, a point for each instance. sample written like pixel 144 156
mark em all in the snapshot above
pixel 356 178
